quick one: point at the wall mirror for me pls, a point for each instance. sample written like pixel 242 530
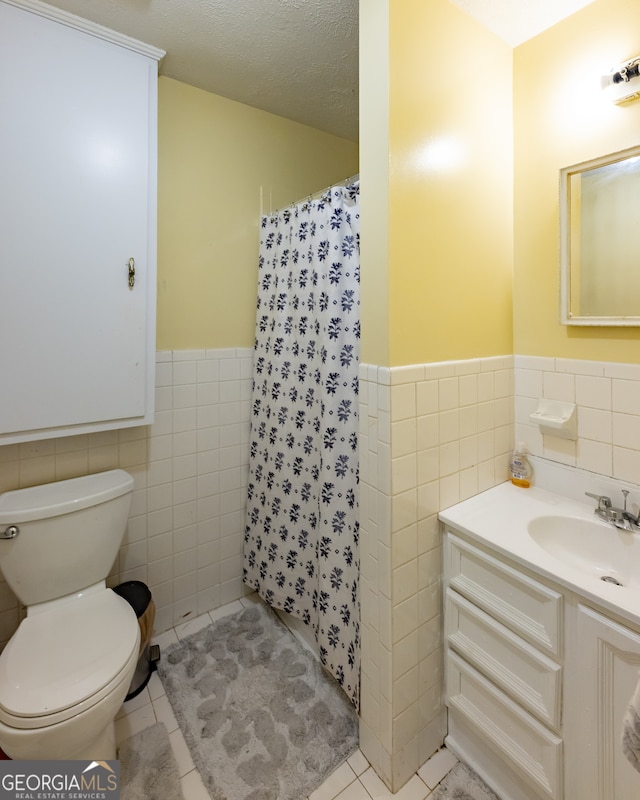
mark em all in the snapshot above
pixel 600 241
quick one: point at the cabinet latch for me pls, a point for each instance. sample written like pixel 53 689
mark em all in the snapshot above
pixel 132 272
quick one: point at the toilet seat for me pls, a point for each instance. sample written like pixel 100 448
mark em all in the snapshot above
pixel 62 661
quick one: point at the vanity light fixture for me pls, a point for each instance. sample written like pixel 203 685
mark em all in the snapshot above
pixel 623 82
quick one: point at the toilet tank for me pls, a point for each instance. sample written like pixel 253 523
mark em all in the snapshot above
pixel 69 534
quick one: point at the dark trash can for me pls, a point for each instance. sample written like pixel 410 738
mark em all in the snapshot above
pixel 138 595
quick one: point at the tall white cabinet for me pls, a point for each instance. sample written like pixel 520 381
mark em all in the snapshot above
pixel 78 166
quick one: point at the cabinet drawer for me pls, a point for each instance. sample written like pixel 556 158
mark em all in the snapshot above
pixel 528 747
pixel 526 675
pixel 521 603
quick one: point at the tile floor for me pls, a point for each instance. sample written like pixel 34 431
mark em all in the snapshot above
pixel 353 780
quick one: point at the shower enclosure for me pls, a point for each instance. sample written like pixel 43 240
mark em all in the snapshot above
pixel 301 536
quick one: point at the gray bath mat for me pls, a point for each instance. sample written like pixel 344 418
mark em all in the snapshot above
pixel 148 769
pixel 261 718
pixel 462 783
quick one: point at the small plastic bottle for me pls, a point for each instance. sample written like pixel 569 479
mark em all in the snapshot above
pixel 519 467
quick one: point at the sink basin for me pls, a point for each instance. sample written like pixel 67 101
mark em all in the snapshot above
pixel 593 547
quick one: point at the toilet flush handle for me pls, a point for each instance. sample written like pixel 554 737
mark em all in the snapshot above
pixel 10 533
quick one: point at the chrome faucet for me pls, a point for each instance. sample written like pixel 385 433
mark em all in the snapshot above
pixel 619 517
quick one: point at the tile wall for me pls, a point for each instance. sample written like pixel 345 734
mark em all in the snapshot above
pixel 185 533
pixel 607 396
pixel 431 435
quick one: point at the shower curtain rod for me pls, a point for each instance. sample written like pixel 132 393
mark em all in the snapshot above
pixel 345 182
pixel 318 194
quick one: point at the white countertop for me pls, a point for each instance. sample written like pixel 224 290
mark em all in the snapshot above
pixel 499 517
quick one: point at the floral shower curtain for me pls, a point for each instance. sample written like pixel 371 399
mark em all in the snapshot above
pixel 301 536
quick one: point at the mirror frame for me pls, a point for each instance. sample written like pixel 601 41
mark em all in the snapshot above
pixel 566 317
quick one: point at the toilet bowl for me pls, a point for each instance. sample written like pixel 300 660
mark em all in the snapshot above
pixel 66 670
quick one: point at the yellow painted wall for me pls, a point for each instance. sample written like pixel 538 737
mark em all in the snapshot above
pixel 216 159
pixel 450 186
pixel 374 181
pixel 562 117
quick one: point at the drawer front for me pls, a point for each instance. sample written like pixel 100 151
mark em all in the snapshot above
pixel 519 602
pixel 525 674
pixel 528 747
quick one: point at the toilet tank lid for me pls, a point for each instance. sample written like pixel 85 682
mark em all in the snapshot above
pixel 63 497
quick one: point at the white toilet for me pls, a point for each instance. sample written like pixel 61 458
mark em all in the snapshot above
pixel 67 669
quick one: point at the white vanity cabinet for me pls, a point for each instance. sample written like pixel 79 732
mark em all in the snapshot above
pixel 537 680
pixel 78 164
pixel 504 644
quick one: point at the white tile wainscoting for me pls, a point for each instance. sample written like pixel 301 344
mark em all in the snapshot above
pixel 607 396
pixel 186 528
pixel 430 436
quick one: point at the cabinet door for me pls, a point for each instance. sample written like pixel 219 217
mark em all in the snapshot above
pixel 605 674
pixel 75 338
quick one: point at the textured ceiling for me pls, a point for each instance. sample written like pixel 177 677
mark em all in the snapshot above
pixel 294 58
